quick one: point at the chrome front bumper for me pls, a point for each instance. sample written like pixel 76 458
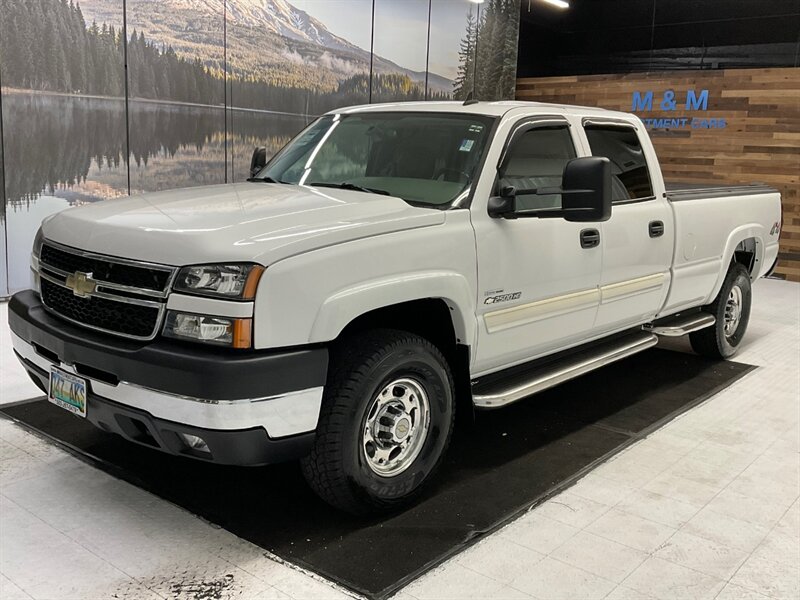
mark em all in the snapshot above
pixel 282 415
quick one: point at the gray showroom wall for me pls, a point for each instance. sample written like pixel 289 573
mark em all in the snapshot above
pixel 206 81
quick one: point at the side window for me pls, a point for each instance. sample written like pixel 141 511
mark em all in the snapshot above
pixel 537 160
pixel 630 177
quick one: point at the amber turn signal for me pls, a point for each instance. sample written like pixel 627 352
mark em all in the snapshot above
pixel 242 333
pixel 251 285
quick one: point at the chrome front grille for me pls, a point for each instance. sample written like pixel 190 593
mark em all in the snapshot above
pixel 115 295
pixel 105 269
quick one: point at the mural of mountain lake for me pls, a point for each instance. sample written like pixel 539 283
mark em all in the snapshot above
pixel 63 151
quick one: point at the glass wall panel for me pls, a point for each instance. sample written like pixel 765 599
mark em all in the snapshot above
pixel 176 94
pixel 288 63
pixel 400 50
pixel 63 114
pixel 342 37
pixel 452 48
pixel 496 50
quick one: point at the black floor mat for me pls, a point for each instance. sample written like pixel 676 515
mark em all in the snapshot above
pixel 497 466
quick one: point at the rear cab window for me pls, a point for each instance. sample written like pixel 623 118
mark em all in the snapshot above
pixel 630 174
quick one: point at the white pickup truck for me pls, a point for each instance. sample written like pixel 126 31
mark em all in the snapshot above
pixel 390 259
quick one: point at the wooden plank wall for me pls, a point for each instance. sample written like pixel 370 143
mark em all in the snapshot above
pixel 760 143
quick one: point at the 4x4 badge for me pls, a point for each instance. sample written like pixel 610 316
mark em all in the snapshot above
pixel 81 284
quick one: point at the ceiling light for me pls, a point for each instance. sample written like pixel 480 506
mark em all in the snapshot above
pixel 558 3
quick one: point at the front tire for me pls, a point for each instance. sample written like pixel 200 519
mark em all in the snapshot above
pixel 386 419
pixel 731 308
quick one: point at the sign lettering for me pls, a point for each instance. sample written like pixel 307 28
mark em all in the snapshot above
pixel 691 101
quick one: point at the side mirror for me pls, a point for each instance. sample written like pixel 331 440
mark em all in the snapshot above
pixel 258 160
pixel 585 194
pixel 586 185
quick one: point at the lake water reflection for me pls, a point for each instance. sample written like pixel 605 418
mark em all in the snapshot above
pixel 62 151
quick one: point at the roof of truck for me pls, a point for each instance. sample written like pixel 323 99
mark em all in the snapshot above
pixel 482 108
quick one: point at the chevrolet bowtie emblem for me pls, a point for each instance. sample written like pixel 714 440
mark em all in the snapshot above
pixel 81 284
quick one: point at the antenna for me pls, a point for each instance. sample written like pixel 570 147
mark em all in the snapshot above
pixel 470 100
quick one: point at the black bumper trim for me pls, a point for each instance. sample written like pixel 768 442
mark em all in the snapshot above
pixel 186 369
pixel 243 447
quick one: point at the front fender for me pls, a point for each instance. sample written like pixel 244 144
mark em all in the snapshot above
pixel 310 298
pixel 346 305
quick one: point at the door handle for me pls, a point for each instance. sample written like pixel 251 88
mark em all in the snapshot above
pixel 590 238
pixel 656 228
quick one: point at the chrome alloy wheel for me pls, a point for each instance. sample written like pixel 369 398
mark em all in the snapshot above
pixel 398 419
pixel 733 311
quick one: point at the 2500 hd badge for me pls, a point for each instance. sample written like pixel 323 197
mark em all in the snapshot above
pixel 503 298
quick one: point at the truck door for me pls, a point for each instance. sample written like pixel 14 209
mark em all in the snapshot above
pixel 537 278
pixel 638 240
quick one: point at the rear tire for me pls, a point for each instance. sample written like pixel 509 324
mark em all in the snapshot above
pixel 385 422
pixel 731 308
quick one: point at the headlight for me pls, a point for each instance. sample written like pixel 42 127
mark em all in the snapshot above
pixel 236 281
pixel 37 243
pixel 224 331
pixel 36 252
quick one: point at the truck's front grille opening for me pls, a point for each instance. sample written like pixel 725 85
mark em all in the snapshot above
pixel 97 374
pixel 48 354
pixel 109 315
pixel 106 293
pixel 136 430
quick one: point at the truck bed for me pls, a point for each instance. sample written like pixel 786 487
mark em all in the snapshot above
pixel 709 229
pixel 679 192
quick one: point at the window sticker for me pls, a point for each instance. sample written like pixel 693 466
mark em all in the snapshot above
pixel 475 128
pixel 466 145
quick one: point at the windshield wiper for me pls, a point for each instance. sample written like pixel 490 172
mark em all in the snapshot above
pixel 351 186
pixel 264 180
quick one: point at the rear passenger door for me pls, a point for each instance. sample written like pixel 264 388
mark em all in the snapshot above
pixel 639 237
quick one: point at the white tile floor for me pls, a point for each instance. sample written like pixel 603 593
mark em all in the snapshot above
pixel 706 507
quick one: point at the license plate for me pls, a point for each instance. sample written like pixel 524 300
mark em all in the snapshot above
pixel 67 391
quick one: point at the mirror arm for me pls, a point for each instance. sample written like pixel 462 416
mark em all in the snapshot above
pixel 525 192
pixel 552 191
pixel 557 213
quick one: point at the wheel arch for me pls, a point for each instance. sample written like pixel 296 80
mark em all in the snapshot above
pixel 745 246
pixel 434 319
pixel 429 290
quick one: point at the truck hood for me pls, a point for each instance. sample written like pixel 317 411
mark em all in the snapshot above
pixel 257 222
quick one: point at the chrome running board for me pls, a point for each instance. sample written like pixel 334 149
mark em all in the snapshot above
pixel 681 325
pixel 525 383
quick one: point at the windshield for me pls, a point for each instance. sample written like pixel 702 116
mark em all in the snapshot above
pixel 424 158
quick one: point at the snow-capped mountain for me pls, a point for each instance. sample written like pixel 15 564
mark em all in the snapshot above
pixel 270 36
pixel 284 19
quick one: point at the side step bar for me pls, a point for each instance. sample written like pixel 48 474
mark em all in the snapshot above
pixel 549 375
pixel 681 324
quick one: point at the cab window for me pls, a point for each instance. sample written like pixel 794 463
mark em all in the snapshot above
pixel 537 160
pixel 630 177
